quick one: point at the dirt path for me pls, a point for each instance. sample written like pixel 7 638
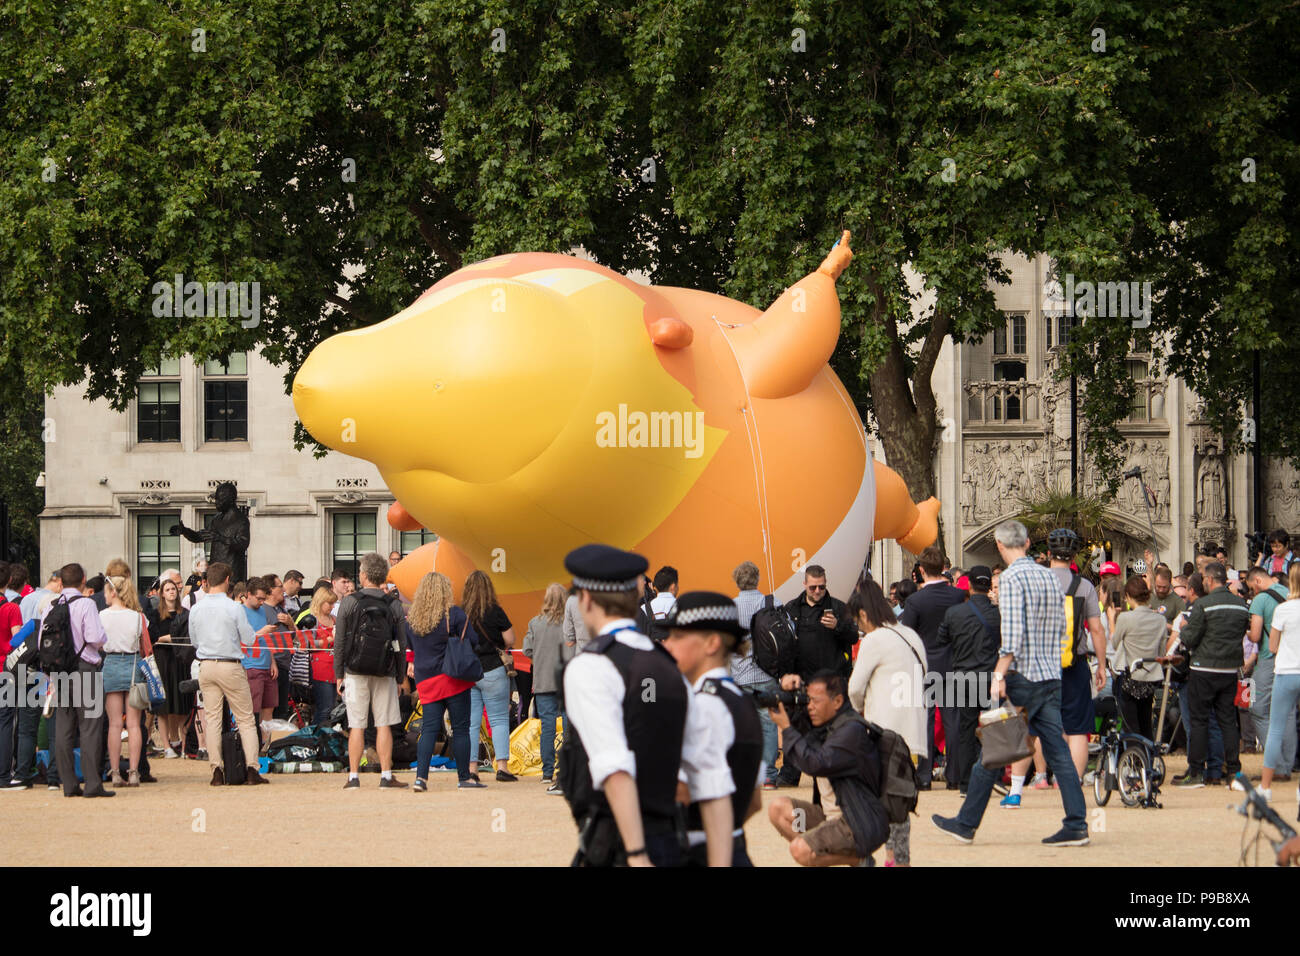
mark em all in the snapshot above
pixel 310 820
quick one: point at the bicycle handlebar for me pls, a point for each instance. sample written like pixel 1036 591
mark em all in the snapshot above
pixel 1262 810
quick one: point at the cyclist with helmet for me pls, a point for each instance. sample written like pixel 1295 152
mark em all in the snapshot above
pixel 1077 717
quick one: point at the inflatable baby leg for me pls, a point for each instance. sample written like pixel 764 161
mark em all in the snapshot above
pixel 915 527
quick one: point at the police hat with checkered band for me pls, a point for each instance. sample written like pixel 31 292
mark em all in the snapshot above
pixel 705 611
pixel 599 567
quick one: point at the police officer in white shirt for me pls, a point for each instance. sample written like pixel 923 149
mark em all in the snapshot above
pixel 704 631
pixel 631 728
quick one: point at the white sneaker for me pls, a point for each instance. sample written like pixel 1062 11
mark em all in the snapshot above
pixel 170 754
pixel 1266 794
pixel 1089 777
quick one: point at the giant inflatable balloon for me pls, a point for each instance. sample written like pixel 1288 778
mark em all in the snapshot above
pixel 532 403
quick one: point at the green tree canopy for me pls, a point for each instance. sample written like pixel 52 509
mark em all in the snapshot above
pixel 137 148
pixel 1110 136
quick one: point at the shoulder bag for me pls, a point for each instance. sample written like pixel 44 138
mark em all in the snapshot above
pixel 149 692
pixel 459 661
pixel 1004 737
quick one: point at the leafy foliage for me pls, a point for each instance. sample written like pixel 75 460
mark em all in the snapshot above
pixel 1085 515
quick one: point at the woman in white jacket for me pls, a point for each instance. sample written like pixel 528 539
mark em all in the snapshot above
pixel 888 686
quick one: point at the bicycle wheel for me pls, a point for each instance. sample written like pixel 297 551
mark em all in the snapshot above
pixel 1133 776
pixel 1101 792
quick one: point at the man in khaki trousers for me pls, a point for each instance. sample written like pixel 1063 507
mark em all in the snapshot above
pixel 219 629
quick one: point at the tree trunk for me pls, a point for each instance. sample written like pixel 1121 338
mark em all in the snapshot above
pixel 905 412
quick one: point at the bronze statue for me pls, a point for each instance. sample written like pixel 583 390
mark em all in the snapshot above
pixel 228 534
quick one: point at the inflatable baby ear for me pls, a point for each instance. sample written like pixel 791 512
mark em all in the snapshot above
pixel 671 332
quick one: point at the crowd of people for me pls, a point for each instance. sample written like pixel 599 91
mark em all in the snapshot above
pixel 205 637
pixel 1033 629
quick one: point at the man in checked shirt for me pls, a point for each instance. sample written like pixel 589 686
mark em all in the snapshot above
pixel 1028 672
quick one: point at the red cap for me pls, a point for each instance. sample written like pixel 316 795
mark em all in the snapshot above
pixel 1110 567
pixel 963 583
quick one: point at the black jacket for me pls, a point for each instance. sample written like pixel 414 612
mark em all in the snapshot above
pixel 842 751
pixel 819 647
pixel 974 646
pixel 924 612
pixel 1214 630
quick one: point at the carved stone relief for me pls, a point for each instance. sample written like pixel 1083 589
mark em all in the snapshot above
pixel 999 475
pixel 1281 495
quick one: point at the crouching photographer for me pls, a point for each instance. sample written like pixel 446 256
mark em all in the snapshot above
pixel 828 740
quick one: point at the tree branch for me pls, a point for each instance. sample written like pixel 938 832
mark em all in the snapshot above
pixel 922 388
pixel 1250 23
pixel 434 238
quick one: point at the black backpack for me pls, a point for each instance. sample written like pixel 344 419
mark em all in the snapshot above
pixel 652 627
pixel 58 651
pixel 773 637
pixel 372 650
pixel 898 790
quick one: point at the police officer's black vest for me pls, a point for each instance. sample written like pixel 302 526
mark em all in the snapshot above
pixel 744 755
pixel 654 720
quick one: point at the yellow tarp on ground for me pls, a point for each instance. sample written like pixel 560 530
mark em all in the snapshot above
pixel 526 747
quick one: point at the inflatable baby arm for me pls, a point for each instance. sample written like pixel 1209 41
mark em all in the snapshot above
pixel 782 350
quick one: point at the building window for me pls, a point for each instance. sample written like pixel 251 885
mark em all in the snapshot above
pixel 156 549
pixel 1008 372
pixel 413 539
pixel 158 403
pixel 1063 324
pixel 354 535
pixel 1018 334
pixel 1000 340
pixel 225 399
pixel 1047 332
pixel 1137 408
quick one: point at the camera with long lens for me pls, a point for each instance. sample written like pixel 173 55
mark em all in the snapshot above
pixel 791 698
pixel 1255 544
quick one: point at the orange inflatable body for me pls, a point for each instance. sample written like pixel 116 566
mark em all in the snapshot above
pixel 532 403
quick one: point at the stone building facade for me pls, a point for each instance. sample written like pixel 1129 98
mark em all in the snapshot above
pixel 1010 430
